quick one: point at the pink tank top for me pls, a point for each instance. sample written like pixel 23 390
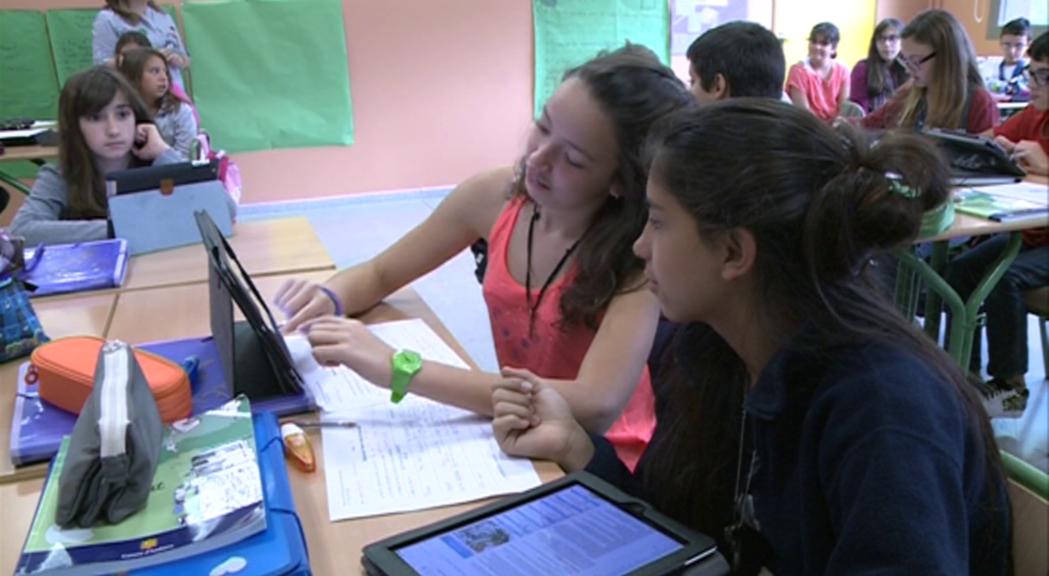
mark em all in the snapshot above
pixel 551 351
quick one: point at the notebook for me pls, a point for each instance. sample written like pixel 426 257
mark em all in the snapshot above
pixel 62 268
pixel 207 496
pixel 1021 202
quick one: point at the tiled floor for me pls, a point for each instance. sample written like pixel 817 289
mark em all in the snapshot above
pixel 358 227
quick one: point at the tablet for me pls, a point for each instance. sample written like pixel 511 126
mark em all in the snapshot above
pixel 151 177
pixel 578 524
pixel 255 358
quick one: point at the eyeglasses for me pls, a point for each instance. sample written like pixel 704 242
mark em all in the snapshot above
pixel 916 64
pixel 1038 77
pixel 889 39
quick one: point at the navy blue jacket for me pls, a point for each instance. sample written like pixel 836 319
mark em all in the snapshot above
pixel 867 462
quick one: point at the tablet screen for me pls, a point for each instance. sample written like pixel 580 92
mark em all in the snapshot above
pixel 571 531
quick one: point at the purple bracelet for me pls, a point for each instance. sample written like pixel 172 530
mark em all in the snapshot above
pixel 339 311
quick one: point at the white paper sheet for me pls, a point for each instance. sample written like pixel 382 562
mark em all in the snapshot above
pixel 409 456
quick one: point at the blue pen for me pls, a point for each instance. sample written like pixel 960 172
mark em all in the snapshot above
pixel 190 365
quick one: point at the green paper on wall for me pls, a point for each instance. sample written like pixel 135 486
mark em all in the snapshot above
pixel 28 88
pixel 70 32
pixel 270 74
pixel 570 32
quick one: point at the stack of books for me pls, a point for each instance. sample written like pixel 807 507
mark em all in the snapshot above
pixel 1021 202
pixel 220 491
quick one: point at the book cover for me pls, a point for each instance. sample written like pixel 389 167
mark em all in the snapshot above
pixel 62 268
pixel 207 494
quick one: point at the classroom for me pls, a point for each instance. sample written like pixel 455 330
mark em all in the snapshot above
pixel 781 283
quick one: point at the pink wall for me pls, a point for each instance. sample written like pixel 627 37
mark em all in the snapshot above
pixel 440 91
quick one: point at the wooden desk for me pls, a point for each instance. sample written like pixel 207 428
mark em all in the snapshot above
pixel 34 154
pixel 264 247
pixel 64 317
pixel 335 548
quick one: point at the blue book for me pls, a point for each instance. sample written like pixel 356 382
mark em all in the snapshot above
pixel 246 544
pixel 62 268
pixel 37 427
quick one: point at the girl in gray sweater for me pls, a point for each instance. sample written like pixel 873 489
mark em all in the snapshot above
pixel 104 127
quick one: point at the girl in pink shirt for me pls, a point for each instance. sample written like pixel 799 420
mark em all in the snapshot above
pixel 565 293
pixel 819 84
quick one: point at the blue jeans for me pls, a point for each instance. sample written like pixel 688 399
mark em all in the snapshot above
pixel 1004 307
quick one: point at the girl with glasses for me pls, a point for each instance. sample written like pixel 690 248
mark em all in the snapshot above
pixel 876 78
pixel 946 90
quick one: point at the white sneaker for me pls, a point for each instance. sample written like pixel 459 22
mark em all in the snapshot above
pixel 1004 402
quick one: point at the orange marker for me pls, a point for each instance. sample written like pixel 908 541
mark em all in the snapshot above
pixel 297 447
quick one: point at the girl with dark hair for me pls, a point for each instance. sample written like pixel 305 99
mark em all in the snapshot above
pixel 565 294
pixel 946 90
pixel 104 128
pixel 819 84
pixel 875 78
pixel 806 424
pixel 146 70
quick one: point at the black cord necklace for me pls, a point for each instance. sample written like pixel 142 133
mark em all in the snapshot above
pixel 549 279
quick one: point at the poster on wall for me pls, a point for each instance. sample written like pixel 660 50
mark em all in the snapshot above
pixel 1037 11
pixel 690 18
pixel 570 32
pixel 270 73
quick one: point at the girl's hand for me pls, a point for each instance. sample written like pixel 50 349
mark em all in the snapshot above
pixel 148 143
pixel 531 419
pixel 1031 157
pixel 173 58
pixel 349 342
pixel 301 300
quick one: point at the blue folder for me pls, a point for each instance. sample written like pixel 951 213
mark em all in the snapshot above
pixel 281 548
pixel 37 427
pixel 62 268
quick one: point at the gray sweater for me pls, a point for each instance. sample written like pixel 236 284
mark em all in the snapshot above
pixel 40 221
pixel 178 128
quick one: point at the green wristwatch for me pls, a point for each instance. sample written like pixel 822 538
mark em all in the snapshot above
pixel 404 364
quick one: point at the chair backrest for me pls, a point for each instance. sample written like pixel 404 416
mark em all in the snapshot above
pixel 850 109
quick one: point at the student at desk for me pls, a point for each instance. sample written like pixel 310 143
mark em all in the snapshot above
pixel 804 414
pixel 105 127
pixel 946 90
pixel 1026 136
pixel 564 293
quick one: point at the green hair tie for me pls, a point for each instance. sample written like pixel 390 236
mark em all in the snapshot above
pixel 896 186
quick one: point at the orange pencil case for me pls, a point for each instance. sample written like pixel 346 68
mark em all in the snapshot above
pixel 65 371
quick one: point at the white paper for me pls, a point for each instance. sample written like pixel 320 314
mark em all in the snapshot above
pixel 409 456
pixel 1037 194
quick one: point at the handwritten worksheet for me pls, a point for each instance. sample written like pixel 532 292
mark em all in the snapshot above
pixel 409 456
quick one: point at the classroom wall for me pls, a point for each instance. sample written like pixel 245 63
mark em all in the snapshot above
pixel 440 91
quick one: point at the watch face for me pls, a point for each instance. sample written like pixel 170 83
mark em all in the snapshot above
pixel 408 361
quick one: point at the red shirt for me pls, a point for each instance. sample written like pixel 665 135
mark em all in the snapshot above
pixel 983 112
pixel 1030 124
pixel 553 351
